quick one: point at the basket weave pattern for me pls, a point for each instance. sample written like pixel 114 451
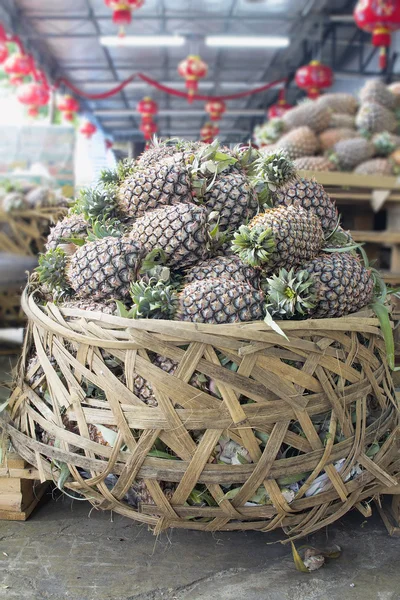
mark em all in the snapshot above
pixel 333 367
pixel 25 231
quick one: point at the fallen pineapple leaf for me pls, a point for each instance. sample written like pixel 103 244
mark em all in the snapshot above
pixel 298 561
pixel 314 558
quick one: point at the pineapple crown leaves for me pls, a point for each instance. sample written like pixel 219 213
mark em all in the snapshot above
pixel 51 271
pixel 271 171
pixel 254 246
pixel 247 157
pixel 155 258
pixel 153 300
pixel 289 293
pixel 384 143
pixel 95 203
pixel 102 228
pixel 205 165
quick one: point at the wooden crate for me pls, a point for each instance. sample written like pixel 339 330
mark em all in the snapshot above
pixel 357 191
pixel 20 488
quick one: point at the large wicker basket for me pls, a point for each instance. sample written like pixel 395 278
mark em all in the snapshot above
pixel 331 371
pixel 25 231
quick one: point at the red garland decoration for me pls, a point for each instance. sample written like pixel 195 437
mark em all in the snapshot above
pixel 381 18
pixel 314 77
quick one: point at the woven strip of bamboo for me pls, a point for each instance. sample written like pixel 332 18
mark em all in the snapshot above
pixel 24 231
pixel 313 406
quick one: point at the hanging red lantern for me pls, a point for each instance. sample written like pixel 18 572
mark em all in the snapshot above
pixel 215 109
pixel 313 78
pixel 148 129
pixel 122 12
pixel 276 111
pixel 381 18
pixel 87 129
pixel 3 52
pixel 208 133
pixel 68 106
pixel 147 109
pixel 192 69
pixel 135 4
pixel 33 95
pixel 18 66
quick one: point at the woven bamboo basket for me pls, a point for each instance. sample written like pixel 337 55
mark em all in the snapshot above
pixel 25 231
pixel 332 371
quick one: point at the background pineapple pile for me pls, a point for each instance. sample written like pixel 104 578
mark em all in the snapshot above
pixel 25 196
pixel 340 132
pixel 200 233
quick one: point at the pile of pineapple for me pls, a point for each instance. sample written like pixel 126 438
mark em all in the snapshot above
pixel 205 234
pixel 16 196
pixel 340 132
pixel 201 233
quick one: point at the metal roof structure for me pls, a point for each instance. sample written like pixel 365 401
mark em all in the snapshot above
pixel 64 37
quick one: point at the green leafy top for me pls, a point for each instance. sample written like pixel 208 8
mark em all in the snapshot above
pixel 96 203
pixel 153 299
pixel 102 228
pixel 289 294
pixel 206 165
pixel 254 246
pixel 51 271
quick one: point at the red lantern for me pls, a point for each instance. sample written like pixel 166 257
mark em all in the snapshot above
pixel 208 132
pixel 33 94
pixel 215 109
pixel 122 12
pixel 3 52
pixel 277 110
pixel 87 129
pixel 148 129
pixel 68 106
pixel 313 78
pixel 135 4
pixel 18 66
pixel 147 109
pixel 192 69
pixel 381 18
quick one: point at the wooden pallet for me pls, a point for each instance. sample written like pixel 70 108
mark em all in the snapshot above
pixel 20 488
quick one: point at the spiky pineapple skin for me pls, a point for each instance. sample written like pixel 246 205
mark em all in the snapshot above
pixel 339 102
pixel 310 114
pixel 311 195
pixel 104 268
pixel 375 166
pixel 373 118
pixel 314 163
pixel 179 230
pixel 220 301
pixel 350 153
pixel 233 197
pixel 180 153
pixel 299 142
pixel 153 187
pixel 342 120
pixel 143 388
pixel 333 135
pixel 72 226
pixel 341 283
pixel 297 233
pixel 377 91
pixel 223 267
pixel 106 307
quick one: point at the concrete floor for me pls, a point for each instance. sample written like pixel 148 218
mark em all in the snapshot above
pixel 66 551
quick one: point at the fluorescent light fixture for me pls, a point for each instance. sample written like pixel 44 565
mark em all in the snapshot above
pixel 142 40
pixel 242 41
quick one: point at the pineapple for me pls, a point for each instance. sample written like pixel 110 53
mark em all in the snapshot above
pixel 220 301
pixel 339 103
pixel 154 186
pixel 143 388
pixel 14 201
pixel 71 227
pixel 182 231
pixel 342 120
pixel 309 114
pixel 375 166
pixel 223 267
pixel 331 285
pixel 376 91
pixel 180 152
pixel 269 132
pixel 42 196
pixel 277 181
pixel 350 153
pixel 373 118
pixel 314 163
pixel 332 136
pixel 339 238
pixel 108 307
pixel 299 142
pixel 385 143
pixel 280 237
pixel 104 268
pixel 394 88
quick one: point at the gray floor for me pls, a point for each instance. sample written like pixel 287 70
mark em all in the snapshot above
pixel 66 551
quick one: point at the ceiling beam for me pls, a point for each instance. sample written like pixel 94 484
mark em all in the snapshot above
pixel 157 17
pixel 178 112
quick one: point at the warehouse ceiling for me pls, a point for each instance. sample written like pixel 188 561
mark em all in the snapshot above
pixel 64 35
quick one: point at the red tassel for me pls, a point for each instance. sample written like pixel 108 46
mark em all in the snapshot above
pixel 382 58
